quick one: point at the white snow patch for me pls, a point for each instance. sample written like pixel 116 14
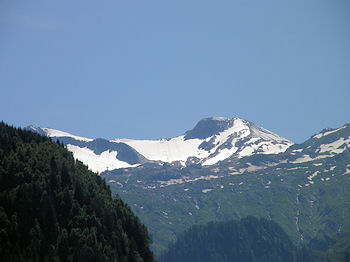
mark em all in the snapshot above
pixel 186 179
pixel 175 149
pixel 179 149
pixel 295 168
pixel 267 147
pixel 223 154
pixel 57 133
pixel 307 158
pixel 334 146
pixel 268 135
pixel 98 163
pixel 298 150
pixel 313 175
pixel 220 118
pixel 241 130
pixel 328 133
pixel 247 151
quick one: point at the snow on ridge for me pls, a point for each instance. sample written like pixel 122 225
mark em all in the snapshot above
pixel 175 149
pixel 267 147
pixel 220 118
pixel 179 149
pixel 239 127
pixel 217 147
pixel 334 147
pixel 57 133
pixel 307 158
pixel 242 129
pixel 224 154
pixel 268 135
pixel 98 163
pixel 328 132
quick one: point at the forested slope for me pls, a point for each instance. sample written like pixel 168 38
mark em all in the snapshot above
pixel 246 240
pixel 52 208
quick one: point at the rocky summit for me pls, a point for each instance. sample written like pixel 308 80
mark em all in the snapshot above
pixel 212 140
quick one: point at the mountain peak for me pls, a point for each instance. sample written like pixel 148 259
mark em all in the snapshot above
pixel 218 118
pixel 212 140
pixel 210 126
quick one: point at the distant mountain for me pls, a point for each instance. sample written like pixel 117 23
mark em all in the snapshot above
pixel 212 140
pixel 304 189
pixel 229 169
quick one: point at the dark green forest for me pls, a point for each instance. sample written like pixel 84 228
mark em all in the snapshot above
pixel 247 240
pixel 52 208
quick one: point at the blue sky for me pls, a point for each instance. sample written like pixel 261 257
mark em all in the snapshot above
pixel 153 69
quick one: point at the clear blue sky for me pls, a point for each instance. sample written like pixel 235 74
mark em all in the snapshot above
pixel 152 69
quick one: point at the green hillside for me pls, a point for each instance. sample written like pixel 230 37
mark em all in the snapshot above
pixel 52 208
pixel 305 190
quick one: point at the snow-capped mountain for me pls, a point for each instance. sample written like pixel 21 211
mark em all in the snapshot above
pixel 210 141
pixel 303 188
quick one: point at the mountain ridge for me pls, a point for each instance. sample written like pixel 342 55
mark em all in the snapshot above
pixel 212 140
pixel 303 189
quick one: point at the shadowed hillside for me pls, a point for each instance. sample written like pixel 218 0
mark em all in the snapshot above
pixel 52 208
pixel 249 239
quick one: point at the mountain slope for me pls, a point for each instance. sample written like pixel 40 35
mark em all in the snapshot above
pixel 52 208
pixel 212 140
pixel 246 240
pixel 304 189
